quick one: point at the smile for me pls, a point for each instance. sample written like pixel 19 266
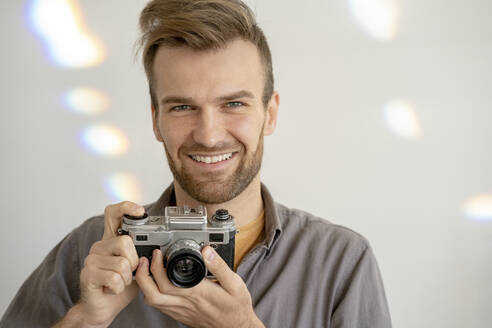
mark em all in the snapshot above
pixel 211 159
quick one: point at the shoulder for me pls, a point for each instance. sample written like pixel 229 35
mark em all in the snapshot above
pixel 305 227
pixel 87 233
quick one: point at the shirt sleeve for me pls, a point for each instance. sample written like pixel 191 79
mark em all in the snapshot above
pixel 49 291
pixel 362 301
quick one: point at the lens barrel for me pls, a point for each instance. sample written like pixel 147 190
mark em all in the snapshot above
pixel 184 264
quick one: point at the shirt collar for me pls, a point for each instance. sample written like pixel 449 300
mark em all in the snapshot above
pixel 167 198
pixel 273 228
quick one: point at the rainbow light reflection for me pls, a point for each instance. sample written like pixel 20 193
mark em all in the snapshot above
pixel 378 18
pixel 401 119
pixel 60 26
pixel 86 101
pixel 123 186
pixel 104 140
pixel 479 207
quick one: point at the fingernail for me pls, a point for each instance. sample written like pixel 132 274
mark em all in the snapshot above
pixel 138 208
pixel 209 253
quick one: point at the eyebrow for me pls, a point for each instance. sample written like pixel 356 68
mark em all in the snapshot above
pixel 187 100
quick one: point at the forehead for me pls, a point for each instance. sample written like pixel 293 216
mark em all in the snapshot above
pixel 184 71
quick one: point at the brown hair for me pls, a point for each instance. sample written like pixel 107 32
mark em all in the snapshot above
pixel 201 25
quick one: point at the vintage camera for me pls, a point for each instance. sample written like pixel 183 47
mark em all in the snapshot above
pixel 181 234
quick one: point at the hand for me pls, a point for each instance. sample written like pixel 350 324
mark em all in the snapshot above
pixel 208 304
pixel 106 280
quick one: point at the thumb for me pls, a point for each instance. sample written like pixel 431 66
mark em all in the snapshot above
pixel 227 278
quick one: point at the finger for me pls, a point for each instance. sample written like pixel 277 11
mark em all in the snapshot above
pixel 118 264
pixel 119 246
pixel 114 213
pixel 150 290
pixel 229 280
pixel 94 278
pixel 159 273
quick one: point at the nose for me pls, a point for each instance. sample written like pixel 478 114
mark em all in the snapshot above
pixel 209 130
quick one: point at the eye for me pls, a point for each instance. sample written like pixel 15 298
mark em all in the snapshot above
pixel 180 108
pixel 233 104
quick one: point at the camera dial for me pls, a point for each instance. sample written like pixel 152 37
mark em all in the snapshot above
pixel 222 215
pixel 222 219
pixel 135 220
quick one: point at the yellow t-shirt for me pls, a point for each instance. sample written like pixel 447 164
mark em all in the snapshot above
pixel 248 237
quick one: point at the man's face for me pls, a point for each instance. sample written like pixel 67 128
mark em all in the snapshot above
pixel 211 118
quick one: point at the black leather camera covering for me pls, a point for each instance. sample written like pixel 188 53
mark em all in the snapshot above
pixel 226 251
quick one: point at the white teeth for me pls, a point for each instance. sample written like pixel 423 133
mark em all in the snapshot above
pixel 211 159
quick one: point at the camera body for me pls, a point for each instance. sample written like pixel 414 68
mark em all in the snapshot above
pixel 181 234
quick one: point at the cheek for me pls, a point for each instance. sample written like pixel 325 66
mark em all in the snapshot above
pixel 247 130
pixel 173 138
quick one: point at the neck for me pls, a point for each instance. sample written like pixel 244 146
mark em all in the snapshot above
pixel 246 207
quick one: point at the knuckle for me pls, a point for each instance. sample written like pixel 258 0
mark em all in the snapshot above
pixel 126 241
pixel 87 274
pixel 126 247
pixel 153 263
pixel 123 265
pixel 114 279
pixel 238 280
pixel 132 254
pixel 238 286
pixel 84 274
pixel 120 243
pixel 126 205
pixel 153 270
pixel 95 247
pixel 119 288
pixel 139 275
pixel 89 260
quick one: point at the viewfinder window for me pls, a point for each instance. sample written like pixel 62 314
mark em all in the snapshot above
pixel 217 237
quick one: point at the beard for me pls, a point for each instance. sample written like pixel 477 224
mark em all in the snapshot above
pixel 214 189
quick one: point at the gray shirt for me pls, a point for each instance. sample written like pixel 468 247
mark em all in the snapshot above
pixel 307 273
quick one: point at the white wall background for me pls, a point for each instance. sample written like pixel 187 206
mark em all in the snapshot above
pixel 333 153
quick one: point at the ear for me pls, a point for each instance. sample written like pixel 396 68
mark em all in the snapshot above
pixel 155 124
pixel 271 114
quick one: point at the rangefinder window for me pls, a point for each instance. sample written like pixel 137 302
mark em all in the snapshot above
pixel 216 237
pixel 141 237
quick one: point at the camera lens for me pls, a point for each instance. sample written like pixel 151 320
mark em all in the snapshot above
pixel 187 271
pixel 185 266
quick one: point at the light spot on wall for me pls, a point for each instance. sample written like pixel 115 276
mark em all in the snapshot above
pixel 378 18
pixel 401 119
pixel 86 100
pixel 479 207
pixel 104 140
pixel 60 26
pixel 123 186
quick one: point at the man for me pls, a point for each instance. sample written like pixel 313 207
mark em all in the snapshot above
pixel 211 85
